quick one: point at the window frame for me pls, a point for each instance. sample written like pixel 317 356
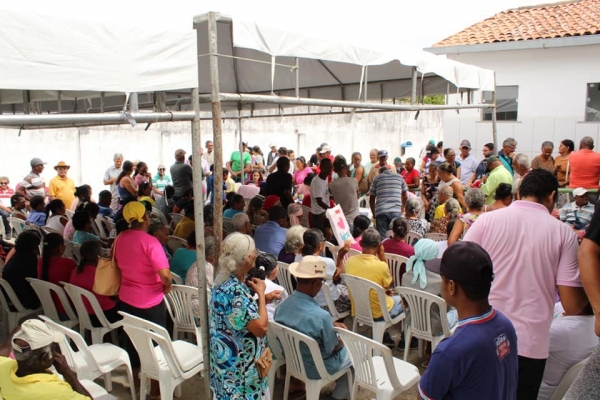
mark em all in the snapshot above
pixel 588 86
pixel 500 118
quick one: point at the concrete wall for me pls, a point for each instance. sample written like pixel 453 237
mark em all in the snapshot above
pixel 552 97
pixel 90 151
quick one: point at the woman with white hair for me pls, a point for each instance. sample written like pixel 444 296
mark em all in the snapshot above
pixel 413 212
pixel 238 323
pixel 475 199
pixel 293 244
pixel 452 209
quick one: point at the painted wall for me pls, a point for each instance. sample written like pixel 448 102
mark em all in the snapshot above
pixel 552 97
pixel 90 151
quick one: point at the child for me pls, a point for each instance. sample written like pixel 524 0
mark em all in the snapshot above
pixel 104 200
pixel 37 215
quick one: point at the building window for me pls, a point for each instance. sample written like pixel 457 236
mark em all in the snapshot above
pixel 592 105
pixel 507 101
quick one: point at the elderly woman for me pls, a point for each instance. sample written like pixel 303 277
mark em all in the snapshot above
pixel 295 212
pixel 448 178
pixel 413 212
pixel 504 197
pixel 293 244
pixel 256 214
pixel 238 323
pixel 475 199
pixel 452 209
pixel 545 159
pixel 397 244
pixel 521 166
pixel 429 190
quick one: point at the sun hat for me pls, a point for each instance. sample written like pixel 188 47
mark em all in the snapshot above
pixel 61 164
pixel 310 267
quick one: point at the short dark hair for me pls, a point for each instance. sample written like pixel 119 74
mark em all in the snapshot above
pixel 481 291
pixel 326 162
pixel 36 201
pixel 568 144
pixel 104 194
pixel 237 198
pixel 276 213
pixel 503 191
pixel 539 184
pixel 170 191
pixel 80 219
pixel 489 146
pixel 307 181
pixel 282 162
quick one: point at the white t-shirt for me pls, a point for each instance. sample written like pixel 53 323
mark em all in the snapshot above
pixel 468 166
pixel 271 287
pixel 318 188
pixel 345 193
pixel 572 339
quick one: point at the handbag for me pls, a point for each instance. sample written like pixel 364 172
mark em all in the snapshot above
pixel 107 280
pixel 263 363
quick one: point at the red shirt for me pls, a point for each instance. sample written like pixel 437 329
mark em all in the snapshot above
pixel 5 196
pixel 59 270
pixel 409 177
pixel 85 280
pixel 401 248
pixel 584 169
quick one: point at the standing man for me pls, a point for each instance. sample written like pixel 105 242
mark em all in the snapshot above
pixel 313 163
pixel 509 146
pixel 479 360
pixel 33 184
pixel 61 186
pixel 382 156
pixel 181 174
pixel 387 198
pixel 468 164
pixel 209 155
pixel 534 254
pixel 345 190
pixel 110 178
pixel 372 161
pixel 239 164
pixel 160 180
pixel 319 193
pixel 325 153
pixel 498 174
pixel 584 165
pixel 272 156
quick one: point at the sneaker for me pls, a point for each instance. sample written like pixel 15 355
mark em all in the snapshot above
pixel 387 339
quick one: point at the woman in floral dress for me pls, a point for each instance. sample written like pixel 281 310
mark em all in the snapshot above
pixel 429 189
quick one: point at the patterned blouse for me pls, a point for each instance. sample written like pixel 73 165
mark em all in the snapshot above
pixel 431 189
pixel 421 226
pixel 233 348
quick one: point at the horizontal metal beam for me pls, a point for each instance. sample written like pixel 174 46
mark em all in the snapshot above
pixel 270 99
pixel 87 119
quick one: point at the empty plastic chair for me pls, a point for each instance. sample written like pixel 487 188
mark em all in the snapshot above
pixel 44 291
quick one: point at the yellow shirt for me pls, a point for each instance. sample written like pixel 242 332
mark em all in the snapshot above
pixel 230 186
pixel 440 211
pixel 372 268
pixel 184 228
pixel 63 189
pixel 33 387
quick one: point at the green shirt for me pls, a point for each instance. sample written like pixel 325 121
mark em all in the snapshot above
pixel 235 160
pixel 497 176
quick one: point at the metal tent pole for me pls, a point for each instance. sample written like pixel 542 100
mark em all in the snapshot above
pixel 91 119
pixel 200 260
pixel 494 121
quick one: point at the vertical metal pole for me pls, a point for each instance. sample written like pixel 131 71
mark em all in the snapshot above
pixel 413 93
pixel 366 83
pixel 217 133
pixel 58 96
pixel 133 102
pixel 494 122
pixel 297 77
pixel 199 219
pixel 241 145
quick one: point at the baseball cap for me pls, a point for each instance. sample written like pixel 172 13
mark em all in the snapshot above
pixel 324 144
pixel 272 144
pixel 465 143
pixel 492 159
pixel 180 151
pixel 382 153
pixel 37 335
pixel 325 149
pixel 397 160
pixel 310 267
pixel 579 191
pixel 36 161
pixel 245 143
pixel 464 262
pixel 134 211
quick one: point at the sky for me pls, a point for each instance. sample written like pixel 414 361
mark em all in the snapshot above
pixel 378 24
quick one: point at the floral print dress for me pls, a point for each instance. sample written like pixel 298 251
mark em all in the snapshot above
pixel 431 189
pixel 233 348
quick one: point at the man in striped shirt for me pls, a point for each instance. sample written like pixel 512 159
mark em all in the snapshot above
pixel 387 198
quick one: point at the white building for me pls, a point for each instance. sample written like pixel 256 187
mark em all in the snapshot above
pixel 547 60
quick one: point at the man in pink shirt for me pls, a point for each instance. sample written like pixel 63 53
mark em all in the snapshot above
pixel 533 254
pixel 584 165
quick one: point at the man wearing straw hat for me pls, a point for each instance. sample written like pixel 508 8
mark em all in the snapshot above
pixel 61 186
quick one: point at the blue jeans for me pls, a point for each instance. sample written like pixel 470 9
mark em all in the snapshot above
pixel 383 222
pixel 5 216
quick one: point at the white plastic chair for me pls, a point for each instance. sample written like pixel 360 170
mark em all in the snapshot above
pixel 179 305
pixel 395 261
pixel 278 358
pixel 376 369
pixel 98 227
pixel 91 362
pixel 389 234
pixel 47 230
pixel 156 213
pixel 170 362
pixel 335 314
pixel 353 252
pixel 567 380
pixel 304 220
pixel 69 213
pixel 177 279
pixel 175 243
pixel 17 224
pixel 44 291
pixel 284 277
pixel 9 296
pixel 175 218
pixel 419 326
pixel 77 294
pixel 72 250
pixel 413 237
pixel 291 340
pixel 359 289
pixel 333 249
pixel 363 202
pixel 436 237
pixel 228 225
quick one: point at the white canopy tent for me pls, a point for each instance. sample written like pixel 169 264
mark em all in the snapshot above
pixel 75 74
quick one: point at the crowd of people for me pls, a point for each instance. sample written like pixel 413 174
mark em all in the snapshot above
pixel 503 218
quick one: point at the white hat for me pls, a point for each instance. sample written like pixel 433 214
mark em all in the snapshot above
pixel 310 267
pixel 579 192
pixel 37 335
pixel 325 149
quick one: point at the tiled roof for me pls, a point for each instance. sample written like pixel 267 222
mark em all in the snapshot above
pixel 544 21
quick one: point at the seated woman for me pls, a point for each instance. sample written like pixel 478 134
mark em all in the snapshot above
pixel 82 222
pixel 475 199
pixel 145 193
pixel 397 244
pixel 361 224
pixel 84 275
pixel 54 268
pixel 23 264
pixel 295 212
pixel 83 194
pixel 183 258
pixel 93 209
pixel 256 214
pixel 191 278
pixel 269 264
pixel 56 215
pixel 36 215
pixel 161 232
pixel 452 209
pixel 293 244
pixel 413 210
pixel 504 198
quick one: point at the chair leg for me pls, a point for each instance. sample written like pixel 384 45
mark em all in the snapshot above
pixel 13 321
pixel 178 392
pixel 313 390
pixel 131 381
pixel 96 336
pixel 143 386
pixel 271 377
pixel 166 389
pixel 114 338
pixel 422 345
pixel 378 330
pixel 108 382
pixel 407 339
pixel 286 386
pixel 354 324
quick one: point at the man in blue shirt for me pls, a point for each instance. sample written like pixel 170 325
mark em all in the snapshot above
pixel 480 360
pixel 301 312
pixel 270 237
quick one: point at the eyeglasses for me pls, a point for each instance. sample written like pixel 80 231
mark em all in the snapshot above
pixel 3 183
pixel 61 168
pixel 162 169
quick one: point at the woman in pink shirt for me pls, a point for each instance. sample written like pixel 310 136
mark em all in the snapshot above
pixel 301 171
pixel 361 223
pixel 145 274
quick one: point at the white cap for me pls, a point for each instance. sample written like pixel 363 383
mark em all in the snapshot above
pixel 310 267
pixel 37 335
pixel 325 149
pixel 579 192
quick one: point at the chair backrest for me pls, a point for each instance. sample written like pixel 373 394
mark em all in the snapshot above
pixel 363 202
pixel 330 303
pixel 436 237
pixel 567 380
pixel 44 291
pixel 177 279
pixel 413 237
pixel 228 225
pixel 65 347
pixel 175 243
pixel 156 213
pixel 420 303
pixel 359 289
pixel 142 334
pixel 72 250
pixel 353 252
pixel 17 224
pixel 397 266
pixel 284 277
pixel 69 213
pixel 110 226
pixel 304 220
pixel 47 230
pixel 98 227
pixel 77 295
pixel 175 218
pixel 180 305
pixel 389 234
pixel 290 341
pixel 333 249
pixel 9 296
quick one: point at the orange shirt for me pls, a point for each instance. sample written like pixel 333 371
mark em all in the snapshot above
pixel 584 169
